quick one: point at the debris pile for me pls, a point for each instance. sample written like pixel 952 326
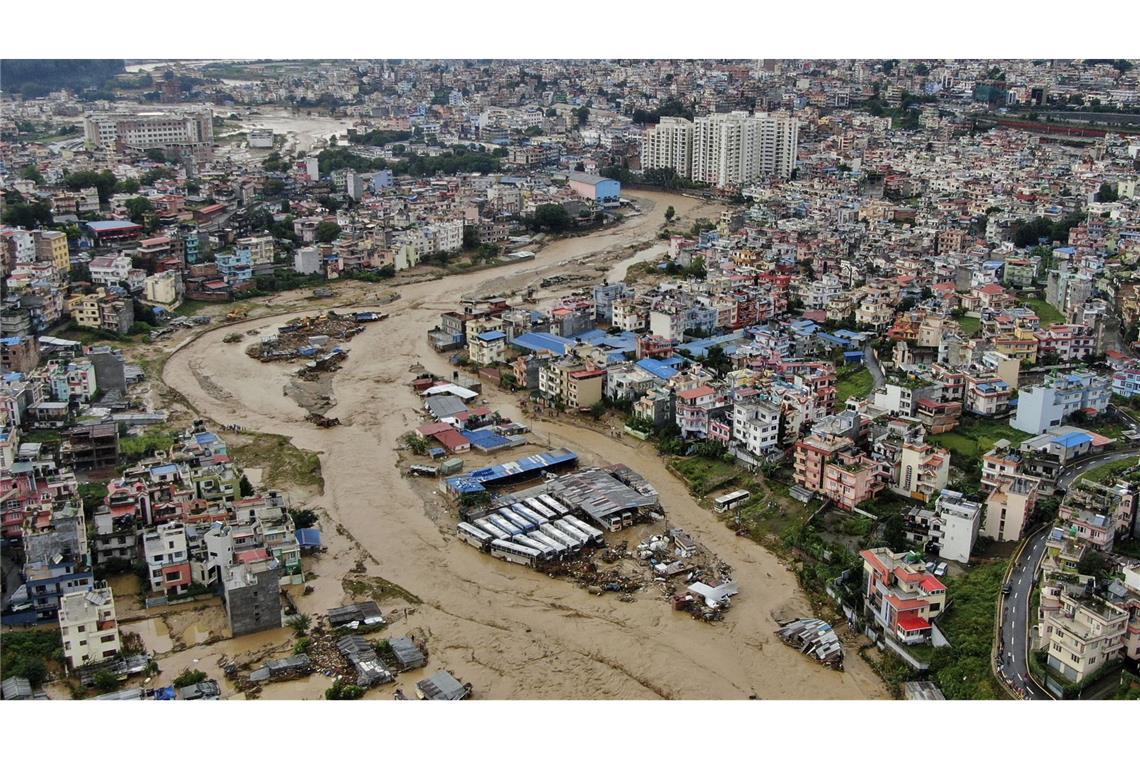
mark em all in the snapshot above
pixel 815 638
pixel 308 337
pixel 676 558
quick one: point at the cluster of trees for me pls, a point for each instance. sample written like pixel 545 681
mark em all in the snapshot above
pixel 1107 193
pixel 26 653
pixel 19 212
pixel 1029 232
pixel 670 107
pixel 550 217
pixel 459 160
pixel 378 137
pixel 36 77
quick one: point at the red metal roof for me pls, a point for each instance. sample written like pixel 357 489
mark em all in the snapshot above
pixel 910 621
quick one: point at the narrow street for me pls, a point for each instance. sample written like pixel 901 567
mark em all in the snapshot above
pixel 1014 649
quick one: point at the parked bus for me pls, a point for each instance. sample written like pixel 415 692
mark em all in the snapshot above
pixel 593 533
pixel 554 504
pixel 475 536
pixel 544 551
pixel 512 552
pixel 496 532
pixel 561 537
pixel 572 531
pixel 517 519
pixel 505 524
pixel 558 548
pixel 541 508
pixel 730 500
pixel 529 514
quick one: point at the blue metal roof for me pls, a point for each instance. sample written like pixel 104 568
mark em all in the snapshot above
pixel 486 439
pixel 492 335
pixel 308 537
pixel 654 367
pixel 533 341
pixel 1069 440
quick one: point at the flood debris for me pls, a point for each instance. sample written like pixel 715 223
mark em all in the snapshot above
pixel 815 638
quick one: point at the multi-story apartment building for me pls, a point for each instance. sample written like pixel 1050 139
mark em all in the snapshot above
pixel 110 270
pixel 51 246
pixel 489 347
pixel 259 248
pixel 693 406
pixel 756 425
pixel 955 525
pixel 1126 382
pixel 167 558
pixel 669 145
pixel 733 149
pixel 853 479
pixel 1082 635
pixel 1009 506
pixel 1045 406
pixel 900 595
pixel 923 471
pixel 88 626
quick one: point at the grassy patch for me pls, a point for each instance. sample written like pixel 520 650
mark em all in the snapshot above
pixel 977 435
pixel 282 463
pixel 134 448
pixel 856 382
pixel 1109 470
pixel 970 325
pixel 702 474
pixel 963 670
pixel 1044 311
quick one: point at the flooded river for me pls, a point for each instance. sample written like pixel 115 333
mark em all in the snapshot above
pixel 512 632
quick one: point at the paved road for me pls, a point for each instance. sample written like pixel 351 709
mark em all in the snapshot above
pixel 873 365
pixel 1015 606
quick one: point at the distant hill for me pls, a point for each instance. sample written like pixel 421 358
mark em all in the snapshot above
pixel 34 77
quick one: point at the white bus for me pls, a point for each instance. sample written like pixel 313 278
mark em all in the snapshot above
pixel 541 508
pixel 544 551
pixel 561 537
pixel 730 500
pixel 512 552
pixel 496 532
pixel 593 533
pixel 554 504
pixel 529 514
pixel 558 548
pixel 505 525
pixel 474 536
pixel 517 519
pixel 572 530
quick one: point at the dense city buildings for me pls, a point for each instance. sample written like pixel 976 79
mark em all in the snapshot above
pixel 854 336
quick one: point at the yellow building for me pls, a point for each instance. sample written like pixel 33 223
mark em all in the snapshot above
pixel 52 246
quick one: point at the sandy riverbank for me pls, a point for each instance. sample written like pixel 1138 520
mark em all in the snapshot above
pixel 510 631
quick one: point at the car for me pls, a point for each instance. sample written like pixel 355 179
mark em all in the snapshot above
pixel 1006 589
pixel 940 570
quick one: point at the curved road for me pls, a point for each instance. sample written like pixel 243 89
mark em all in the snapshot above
pixel 1015 622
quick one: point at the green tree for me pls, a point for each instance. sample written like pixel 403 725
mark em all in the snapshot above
pixel 105 681
pixel 1107 193
pixel 300 623
pixel 32 172
pixel 327 232
pixel 552 216
pixel 138 208
pixel 245 487
pixel 27 215
pixel 670 213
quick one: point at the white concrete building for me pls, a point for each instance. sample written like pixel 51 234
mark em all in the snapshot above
pixel 190 128
pixel 669 145
pixel 260 249
pixel 756 426
pixel 110 270
pixel 1046 406
pixel 88 626
pixel 955 526
pixel 732 149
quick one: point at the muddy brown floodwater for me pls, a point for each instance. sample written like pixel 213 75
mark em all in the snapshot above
pixel 510 631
